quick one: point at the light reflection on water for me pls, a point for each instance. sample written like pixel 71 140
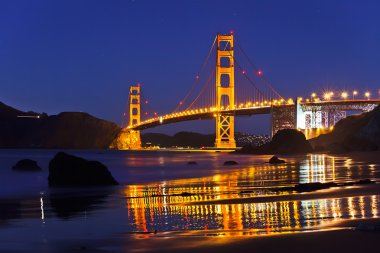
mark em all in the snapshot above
pixel 161 207
pixel 258 218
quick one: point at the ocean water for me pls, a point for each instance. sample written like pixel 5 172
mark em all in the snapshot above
pixel 150 197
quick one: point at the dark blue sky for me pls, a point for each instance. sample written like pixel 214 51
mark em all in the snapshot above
pixel 83 55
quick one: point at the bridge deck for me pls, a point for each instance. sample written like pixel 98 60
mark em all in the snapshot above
pixel 248 111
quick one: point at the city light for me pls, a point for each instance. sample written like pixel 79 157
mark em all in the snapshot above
pixel 344 95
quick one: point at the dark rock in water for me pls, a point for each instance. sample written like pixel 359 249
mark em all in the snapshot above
pixel 276 160
pixel 69 170
pixel 285 141
pixel 26 165
pixel 308 187
pixel 185 194
pixel 365 181
pixel 192 163
pixel 230 163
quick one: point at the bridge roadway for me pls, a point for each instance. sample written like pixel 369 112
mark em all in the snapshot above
pixel 344 105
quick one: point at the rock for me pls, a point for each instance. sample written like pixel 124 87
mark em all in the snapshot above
pixel 26 165
pixel 285 141
pixel 192 163
pixel 69 170
pixel 354 133
pixel 365 181
pixel 308 187
pixel 185 194
pixel 276 160
pixel 230 163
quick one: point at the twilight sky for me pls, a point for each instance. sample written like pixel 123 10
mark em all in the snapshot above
pixel 83 55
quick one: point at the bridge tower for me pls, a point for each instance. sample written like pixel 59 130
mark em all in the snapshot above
pixel 225 91
pixel 134 138
pixel 129 138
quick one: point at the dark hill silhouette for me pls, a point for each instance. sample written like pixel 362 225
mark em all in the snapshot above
pixel 180 139
pixel 354 133
pixel 65 130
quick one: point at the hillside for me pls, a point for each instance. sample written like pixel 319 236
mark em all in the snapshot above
pixel 354 133
pixel 66 130
pixel 181 139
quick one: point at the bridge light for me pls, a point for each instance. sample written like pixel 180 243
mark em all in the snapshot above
pixel 146 101
pixel 197 77
pixel 354 93
pixel 290 101
pixel 367 94
pixel 344 95
pixel 259 72
pixel 327 96
pixel 313 95
pixel 161 120
pixel 243 72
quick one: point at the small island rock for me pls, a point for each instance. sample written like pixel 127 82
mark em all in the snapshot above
pixel 276 160
pixel 69 170
pixel 230 163
pixel 26 165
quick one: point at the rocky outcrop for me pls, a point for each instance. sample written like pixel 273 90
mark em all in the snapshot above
pixel 276 160
pixel 65 130
pixel 69 170
pixel 354 133
pixel 229 163
pixel 26 165
pixel 285 141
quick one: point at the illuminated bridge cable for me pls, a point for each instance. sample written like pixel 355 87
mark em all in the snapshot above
pixel 197 77
pixel 201 92
pixel 257 69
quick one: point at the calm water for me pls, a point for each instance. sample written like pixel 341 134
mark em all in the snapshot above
pixel 148 200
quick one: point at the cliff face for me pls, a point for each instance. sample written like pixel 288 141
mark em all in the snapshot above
pixel 66 130
pixel 354 133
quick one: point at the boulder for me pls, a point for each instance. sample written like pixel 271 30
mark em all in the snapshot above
pixel 230 163
pixel 69 170
pixel 285 141
pixel 276 160
pixel 26 165
pixel 308 187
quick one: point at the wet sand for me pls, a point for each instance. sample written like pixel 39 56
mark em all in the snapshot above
pixel 341 237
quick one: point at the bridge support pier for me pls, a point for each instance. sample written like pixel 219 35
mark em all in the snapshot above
pixel 129 138
pixel 225 91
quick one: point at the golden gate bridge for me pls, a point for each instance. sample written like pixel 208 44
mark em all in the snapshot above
pixel 233 86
